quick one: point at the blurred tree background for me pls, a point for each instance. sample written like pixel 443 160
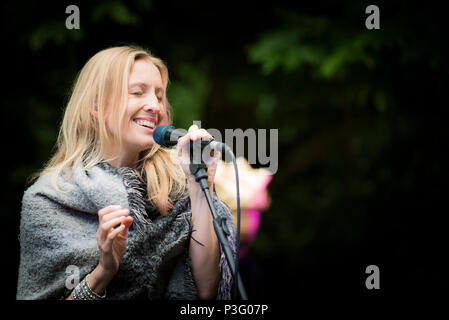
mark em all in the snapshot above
pixel 361 117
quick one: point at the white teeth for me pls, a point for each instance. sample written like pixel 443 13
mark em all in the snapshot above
pixel 145 123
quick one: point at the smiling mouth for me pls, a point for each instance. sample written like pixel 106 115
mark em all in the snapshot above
pixel 145 123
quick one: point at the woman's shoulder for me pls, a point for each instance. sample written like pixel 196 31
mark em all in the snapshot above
pixel 46 186
pixel 71 178
pixel 85 189
pixel 39 184
pixel 48 180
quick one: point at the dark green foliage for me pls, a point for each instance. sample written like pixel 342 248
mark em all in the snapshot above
pixel 360 114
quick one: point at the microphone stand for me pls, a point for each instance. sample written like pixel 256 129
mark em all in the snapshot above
pixel 199 169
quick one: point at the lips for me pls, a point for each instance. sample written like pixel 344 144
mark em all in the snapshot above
pixel 146 122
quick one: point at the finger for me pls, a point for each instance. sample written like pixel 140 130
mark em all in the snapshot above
pixel 184 139
pixel 121 230
pixel 105 227
pixel 115 214
pixel 115 232
pixel 107 209
pixel 192 128
pixel 203 134
pixel 195 135
pixel 200 134
pixel 127 222
pixel 182 144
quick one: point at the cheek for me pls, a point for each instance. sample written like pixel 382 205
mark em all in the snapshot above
pixel 163 117
pixel 126 125
pixel 130 114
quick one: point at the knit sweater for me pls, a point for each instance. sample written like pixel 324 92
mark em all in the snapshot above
pixel 58 235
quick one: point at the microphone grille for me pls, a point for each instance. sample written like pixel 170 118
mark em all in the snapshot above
pixel 159 134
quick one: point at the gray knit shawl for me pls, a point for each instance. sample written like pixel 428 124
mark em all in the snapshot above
pixel 58 230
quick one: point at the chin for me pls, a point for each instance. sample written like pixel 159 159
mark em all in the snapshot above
pixel 142 146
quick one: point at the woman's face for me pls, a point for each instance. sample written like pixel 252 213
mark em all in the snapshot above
pixel 145 109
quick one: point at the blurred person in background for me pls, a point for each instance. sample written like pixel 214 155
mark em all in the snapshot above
pixel 254 198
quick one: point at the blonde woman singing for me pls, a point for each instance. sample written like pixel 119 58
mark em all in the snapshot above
pixel 113 215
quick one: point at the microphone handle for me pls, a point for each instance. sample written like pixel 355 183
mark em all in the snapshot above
pixel 172 136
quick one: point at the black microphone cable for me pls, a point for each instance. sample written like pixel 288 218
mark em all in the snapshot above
pixel 228 150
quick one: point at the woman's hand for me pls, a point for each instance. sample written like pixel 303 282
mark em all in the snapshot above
pixel 111 244
pixel 112 241
pixel 194 133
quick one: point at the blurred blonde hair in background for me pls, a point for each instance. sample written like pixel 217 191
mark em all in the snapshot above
pixel 254 196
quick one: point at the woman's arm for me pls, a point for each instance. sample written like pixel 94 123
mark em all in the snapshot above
pixel 204 252
pixel 206 257
pixel 98 280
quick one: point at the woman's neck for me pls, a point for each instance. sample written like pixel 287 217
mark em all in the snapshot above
pixel 124 159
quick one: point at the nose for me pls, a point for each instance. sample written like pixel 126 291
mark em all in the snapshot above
pixel 150 108
pixel 151 105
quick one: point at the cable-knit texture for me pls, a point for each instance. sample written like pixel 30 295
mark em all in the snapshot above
pixel 58 230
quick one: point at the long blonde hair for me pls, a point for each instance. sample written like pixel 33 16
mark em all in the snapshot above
pixel 83 137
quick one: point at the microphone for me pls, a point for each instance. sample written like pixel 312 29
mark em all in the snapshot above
pixel 167 136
